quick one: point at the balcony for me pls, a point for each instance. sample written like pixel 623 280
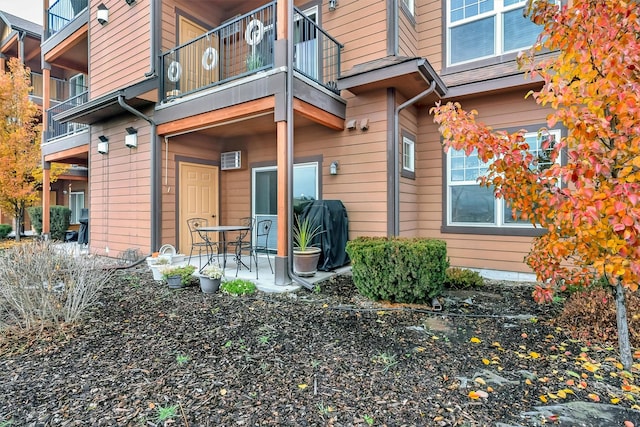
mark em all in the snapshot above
pixel 57 88
pixel 245 46
pixel 61 13
pixel 56 129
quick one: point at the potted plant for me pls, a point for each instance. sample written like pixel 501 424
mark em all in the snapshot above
pixel 254 61
pixel 305 254
pixel 157 264
pixel 210 278
pixel 178 276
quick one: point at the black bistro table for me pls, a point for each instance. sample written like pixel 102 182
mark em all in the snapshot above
pixel 222 229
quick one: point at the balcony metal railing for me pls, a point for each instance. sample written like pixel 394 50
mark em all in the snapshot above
pixel 232 50
pixel 61 13
pixel 57 89
pixel 56 129
pixel 315 53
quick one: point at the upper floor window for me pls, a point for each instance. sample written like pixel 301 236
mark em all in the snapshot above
pixel 469 204
pixel 478 29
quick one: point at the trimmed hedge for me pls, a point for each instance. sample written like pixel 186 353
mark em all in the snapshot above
pixel 407 270
pixel 5 229
pixel 59 219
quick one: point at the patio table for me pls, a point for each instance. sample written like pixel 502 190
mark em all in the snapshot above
pixel 222 229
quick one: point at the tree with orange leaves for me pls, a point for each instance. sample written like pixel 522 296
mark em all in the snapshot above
pixel 20 159
pixel 588 204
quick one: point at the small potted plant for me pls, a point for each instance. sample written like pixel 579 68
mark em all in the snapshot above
pixel 210 278
pixel 178 276
pixel 157 264
pixel 305 254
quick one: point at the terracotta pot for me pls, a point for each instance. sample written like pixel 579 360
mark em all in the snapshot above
pixel 305 263
pixel 209 285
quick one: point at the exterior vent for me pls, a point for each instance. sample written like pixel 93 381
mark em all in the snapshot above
pixel 231 160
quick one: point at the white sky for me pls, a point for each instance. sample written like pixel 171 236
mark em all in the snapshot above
pixel 31 10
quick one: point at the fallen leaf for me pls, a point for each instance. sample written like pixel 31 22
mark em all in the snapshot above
pixel 223 392
pixel 594 397
pixel 486 361
pixel 534 355
pixel 628 424
pixel 302 386
pixel 480 381
pixel 474 395
pixel 543 398
pixel 615 400
pixel 475 340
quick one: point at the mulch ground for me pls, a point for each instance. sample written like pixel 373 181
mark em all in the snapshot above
pixel 151 356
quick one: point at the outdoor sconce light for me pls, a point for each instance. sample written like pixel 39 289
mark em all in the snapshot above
pixel 333 168
pixel 332 5
pixel 131 138
pixel 103 14
pixel 130 2
pixel 103 145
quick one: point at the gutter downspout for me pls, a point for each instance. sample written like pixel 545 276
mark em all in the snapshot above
pixel 155 221
pixel 396 130
pixel 289 86
pixel 154 39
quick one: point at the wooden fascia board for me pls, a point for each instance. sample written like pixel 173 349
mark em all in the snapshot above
pixel 67 44
pixel 71 152
pixel 318 115
pixel 7 45
pixel 217 117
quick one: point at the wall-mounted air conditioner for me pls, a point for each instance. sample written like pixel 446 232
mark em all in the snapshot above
pixel 231 160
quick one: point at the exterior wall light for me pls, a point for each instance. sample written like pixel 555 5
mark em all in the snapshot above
pixel 332 5
pixel 103 14
pixel 131 138
pixel 130 2
pixel 103 145
pixel 333 168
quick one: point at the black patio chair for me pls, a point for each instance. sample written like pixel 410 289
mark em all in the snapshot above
pixel 201 241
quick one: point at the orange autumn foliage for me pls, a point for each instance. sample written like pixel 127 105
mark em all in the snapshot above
pixel 589 202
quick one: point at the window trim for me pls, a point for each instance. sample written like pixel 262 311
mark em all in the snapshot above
pixel 526 230
pixel 409 8
pixel 77 214
pixel 499 56
pixel 408 172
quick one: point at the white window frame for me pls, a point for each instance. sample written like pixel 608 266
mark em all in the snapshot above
pixel 75 210
pixel 498 203
pixel 410 6
pixel 408 154
pixel 498 12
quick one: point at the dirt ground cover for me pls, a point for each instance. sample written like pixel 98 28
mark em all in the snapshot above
pixel 151 356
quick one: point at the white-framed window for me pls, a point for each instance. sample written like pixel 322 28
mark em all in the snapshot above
pixel 408 154
pixel 478 29
pixel 410 6
pixel 76 203
pixel 469 204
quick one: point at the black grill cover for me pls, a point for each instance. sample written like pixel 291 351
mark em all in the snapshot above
pixel 331 215
pixel 83 233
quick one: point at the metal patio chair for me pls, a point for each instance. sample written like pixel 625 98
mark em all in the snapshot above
pixel 201 241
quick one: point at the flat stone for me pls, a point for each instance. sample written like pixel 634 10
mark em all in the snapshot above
pixel 581 414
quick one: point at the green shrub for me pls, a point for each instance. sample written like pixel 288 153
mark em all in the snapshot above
pixel 5 229
pixel 59 219
pixel 238 287
pixel 463 278
pixel 398 269
pixel 35 214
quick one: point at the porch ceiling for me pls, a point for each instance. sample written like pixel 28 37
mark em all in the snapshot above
pixel 257 125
